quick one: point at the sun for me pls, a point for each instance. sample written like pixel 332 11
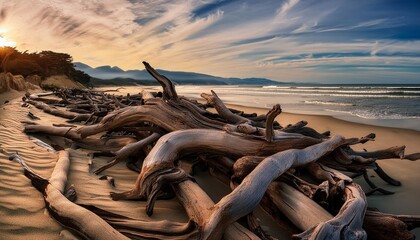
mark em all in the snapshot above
pixel 6 43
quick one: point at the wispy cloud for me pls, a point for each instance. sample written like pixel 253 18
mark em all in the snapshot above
pixel 287 40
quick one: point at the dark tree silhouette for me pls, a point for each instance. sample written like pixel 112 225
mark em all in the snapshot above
pixel 44 64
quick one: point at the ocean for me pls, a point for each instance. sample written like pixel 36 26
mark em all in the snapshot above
pixel 381 105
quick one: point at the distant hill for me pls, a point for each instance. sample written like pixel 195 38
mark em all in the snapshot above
pixel 119 77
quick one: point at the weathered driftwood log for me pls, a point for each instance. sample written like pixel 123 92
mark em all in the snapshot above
pixel 156 111
pixel 68 132
pixel 146 96
pixel 388 153
pixel 412 157
pixel 388 226
pixel 105 144
pixel 198 206
pixel 271 115
pixel 255 227
pixel 244 165
pixel 303 212
pixel 167 85
pixel 58 112
pixel 223 111
pixel 118 103
pixel 128 150
pixel 77 218
pixel 322 173
pixel 300 127
pixel 91 143
pixel 137 229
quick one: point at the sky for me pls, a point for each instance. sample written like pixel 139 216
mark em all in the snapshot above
pixel 326 41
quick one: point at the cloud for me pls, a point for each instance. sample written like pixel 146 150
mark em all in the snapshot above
pixel 287 6
pixel 289 40
pixel 368 24
pixel 305 27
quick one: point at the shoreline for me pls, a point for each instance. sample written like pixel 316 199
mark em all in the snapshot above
pixel 292 115
pixel 383 123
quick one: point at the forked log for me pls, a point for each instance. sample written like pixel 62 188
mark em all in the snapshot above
pixel 222 110
pixel 167 85
pixel 271 115
pixel 91 143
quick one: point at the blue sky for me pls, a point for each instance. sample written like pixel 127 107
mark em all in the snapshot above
pixel 294 40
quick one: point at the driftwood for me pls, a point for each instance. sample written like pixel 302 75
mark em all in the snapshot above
pixel 84 222
pixel 293 172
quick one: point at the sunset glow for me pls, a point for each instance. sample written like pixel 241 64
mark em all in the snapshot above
pixel 6 43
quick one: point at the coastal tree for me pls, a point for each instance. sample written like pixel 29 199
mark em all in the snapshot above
pixel 44 64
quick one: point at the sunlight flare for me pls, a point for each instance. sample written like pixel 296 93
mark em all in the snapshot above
pixel 4 42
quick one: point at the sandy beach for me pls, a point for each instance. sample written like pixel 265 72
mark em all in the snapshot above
pixel 22 211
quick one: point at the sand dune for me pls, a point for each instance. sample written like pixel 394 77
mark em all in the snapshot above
pixel 9 82
pixel 61 81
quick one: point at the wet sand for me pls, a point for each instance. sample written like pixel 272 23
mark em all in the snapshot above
pixel 22 212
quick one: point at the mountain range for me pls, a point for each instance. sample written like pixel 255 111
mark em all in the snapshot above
pixel 116 74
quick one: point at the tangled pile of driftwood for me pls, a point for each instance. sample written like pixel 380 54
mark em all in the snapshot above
pixel 291 171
